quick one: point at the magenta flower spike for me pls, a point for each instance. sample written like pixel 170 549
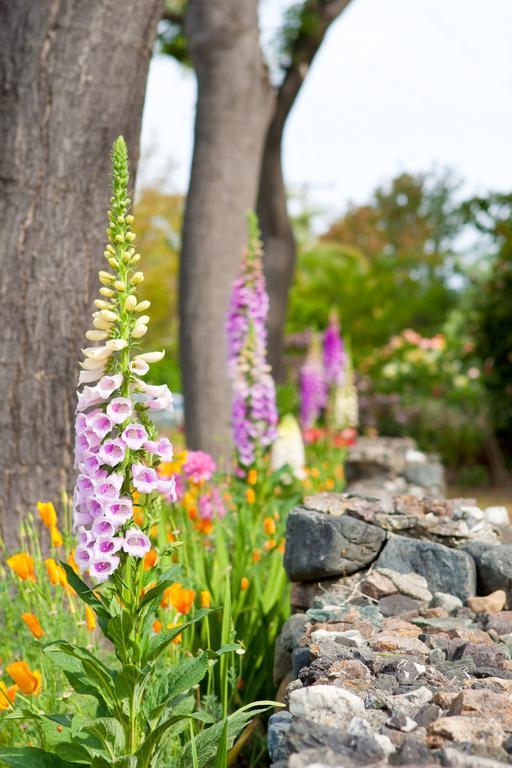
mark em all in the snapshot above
pixel 254 410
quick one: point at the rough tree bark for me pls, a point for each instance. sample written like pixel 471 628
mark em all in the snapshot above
pixel 72 77
pixel 233 109
pixel 280 251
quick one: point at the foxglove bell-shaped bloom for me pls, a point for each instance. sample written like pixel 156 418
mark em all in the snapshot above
pixel 117 448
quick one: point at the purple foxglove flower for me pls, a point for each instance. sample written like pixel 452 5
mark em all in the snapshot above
pixel 334 353
pixel 90 465
pixel 87 398
pixel 103 567
pixel 313 388
pixel 80 423
pixel 85 486
pixel 105 546
pixel 164 449
pixel 254 412
pixel 108 384
pixel 134 435
pixel 83 557
pixel 136 543
pixel 112 452
pixel 102 527
pixel 119 409
pixel 119 511
pixel 145 479
pixel 82 518
pixel 167 487
pixel 100 424
pixel 109 488
pixel 84 537
pixel 94 507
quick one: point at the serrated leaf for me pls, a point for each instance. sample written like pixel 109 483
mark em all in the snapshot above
pixel 109 731
pixel 32 757
pixel 158 643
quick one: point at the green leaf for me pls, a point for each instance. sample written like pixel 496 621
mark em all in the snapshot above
pixel 32 757
pixel 110 732
pixel 166 580
pixel 156 738
pixel 83 591
pixel 155 645
pixel 83 670
pixel 119 628
pixel 221 761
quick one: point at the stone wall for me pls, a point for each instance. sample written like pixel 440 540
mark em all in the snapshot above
pixel 399 648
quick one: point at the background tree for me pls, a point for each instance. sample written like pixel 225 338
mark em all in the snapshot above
pixel 233 106
pixel 72 77
pixel 240 120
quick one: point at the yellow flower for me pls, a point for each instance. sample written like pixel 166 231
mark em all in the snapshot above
pixel 27 681
pixel 90 618
pixel 269 526
pixel 206 599
pixel 244 583
pixel 23 566
pixel 33 624
pixel 56 537
pixel 252 476
pixel 47 513
pixel 7 695
pixel 250 496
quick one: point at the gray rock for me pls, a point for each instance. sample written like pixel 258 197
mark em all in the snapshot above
pixel 428 474
pixel 446 570
pixel 410 703
pixel 321 546
pixel 277 732
pixel 497 515
pixel 427 714
pixel 410 584
pixel 287 641
pixel 401 722
pixel 444 600
pixel 455 759
pixel 326 705
pixel 301 658
pixel 355 745
pixel 398 605
pixel 495 570
pixel 412 753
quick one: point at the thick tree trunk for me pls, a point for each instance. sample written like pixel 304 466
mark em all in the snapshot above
pixel 233 109
pixel 279 242
pixel 72 77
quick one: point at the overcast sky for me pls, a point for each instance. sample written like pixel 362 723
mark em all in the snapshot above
pixel 397 85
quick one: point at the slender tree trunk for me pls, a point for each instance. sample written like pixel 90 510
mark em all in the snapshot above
pixel 233 109
pixel 72 77
pixel 280 250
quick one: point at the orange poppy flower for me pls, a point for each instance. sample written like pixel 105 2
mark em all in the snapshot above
pixel 270 544
pixel 252 476
pixel 329 484
pixel 33 624
pixel 179 598
pixel 250 496
pixel 72 561
pixel 150 559
pixel 27 681
pixel 204 526
pixel 47 513
pixel 206 599
pixel 7 695
pixel 157 626
pixel 269 526
pixel 23 566
pixel 56 573
pixel 244 583
pixel 56 537
pixel 90 618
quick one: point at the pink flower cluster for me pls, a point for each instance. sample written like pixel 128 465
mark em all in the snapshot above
pixel 211 505
pixel 199 466
pixel 114 454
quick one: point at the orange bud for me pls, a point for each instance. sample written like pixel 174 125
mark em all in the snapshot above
pixel 90 618
pixel 23 566
pixel 157 626
pixel 56 573
pixel 47 513
pixel 252 476
pixel 269 544
pixel 250 496
pixel 329 484
pixel 7 695
pixel 27 681
pixel 256 556
pixel 244 583
pixel 150 559
pixel 206 599
pixel 56 537
pixel 269 526
pixel 33 624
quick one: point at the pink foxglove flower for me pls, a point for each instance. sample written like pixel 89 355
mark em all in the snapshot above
pixel 254 411
pixel 117 448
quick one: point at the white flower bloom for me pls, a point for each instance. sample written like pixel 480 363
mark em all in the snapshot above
pixel 139 367
pixel 288 448
pixel 151 357
pixel 86 377
pixel 116 344
pixel 139 331
pixel 92 365
pixel 97 353
pixel 96 335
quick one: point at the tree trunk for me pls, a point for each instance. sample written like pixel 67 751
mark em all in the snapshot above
pixel 72 77
pixel 279 242
pixel 233 109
